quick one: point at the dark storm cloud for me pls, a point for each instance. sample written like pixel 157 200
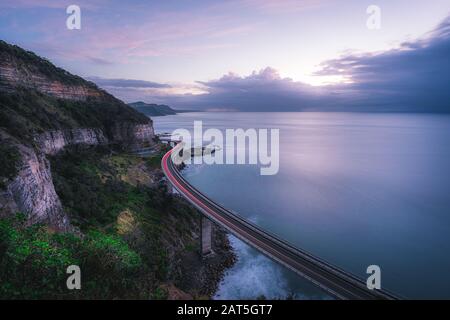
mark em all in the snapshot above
pixel 415 77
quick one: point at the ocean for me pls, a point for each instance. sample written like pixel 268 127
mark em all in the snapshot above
pixel 355 189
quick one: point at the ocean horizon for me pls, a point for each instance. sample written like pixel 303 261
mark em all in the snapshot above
pixel 355 189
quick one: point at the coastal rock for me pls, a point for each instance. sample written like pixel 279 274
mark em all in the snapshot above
pixel 51 142
pixel 32 192
pixel 43 126
pixel 132 135
pixel 12 76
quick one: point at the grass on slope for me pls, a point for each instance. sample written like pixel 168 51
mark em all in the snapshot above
pixel 131 233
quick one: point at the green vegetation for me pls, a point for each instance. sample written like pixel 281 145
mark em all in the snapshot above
pixel 128 234
pixel 24 111
pixel 151 109
pixel 92 186
pixel 128 230
pixel 9 159
pixel 41 65
pixel 33 262
pixel 155 161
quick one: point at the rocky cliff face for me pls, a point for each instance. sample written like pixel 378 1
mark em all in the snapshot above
pixel 142 134
pixel 43 109
pixel 11 77
pixel 51 142
pixel 31 190
pixel 20 68
pixel 128 134
pixel 33 193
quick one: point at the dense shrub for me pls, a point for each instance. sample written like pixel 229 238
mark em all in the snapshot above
pixel 129 233
pixel 33 263
pixel 26 112
pixel 9 159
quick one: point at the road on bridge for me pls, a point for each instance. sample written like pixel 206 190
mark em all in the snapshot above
pixel 331 279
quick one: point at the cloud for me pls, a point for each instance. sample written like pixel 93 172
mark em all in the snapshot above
pixel 264 90
pixel 115 32
pixel 126 83
pixel 414 77
pixel 285 6
pixel 411 78
pixel 130 90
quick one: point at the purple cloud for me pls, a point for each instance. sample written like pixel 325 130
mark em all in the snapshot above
pixel 412 78
pixel 264 90
pixel 126 83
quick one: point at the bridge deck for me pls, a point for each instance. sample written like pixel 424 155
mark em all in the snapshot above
pixel 333 280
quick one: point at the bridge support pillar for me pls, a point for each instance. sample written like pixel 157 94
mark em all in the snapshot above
pixel 206 236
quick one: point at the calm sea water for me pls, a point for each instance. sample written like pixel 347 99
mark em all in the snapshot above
pixel 353 189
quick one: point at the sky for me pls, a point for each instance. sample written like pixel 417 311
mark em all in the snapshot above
pixel 248 55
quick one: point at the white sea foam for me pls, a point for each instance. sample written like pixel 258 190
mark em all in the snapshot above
pixel 253 276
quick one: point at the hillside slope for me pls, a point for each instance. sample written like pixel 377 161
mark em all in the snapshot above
pixel 72 193
pixel 152 109
pixel 43 109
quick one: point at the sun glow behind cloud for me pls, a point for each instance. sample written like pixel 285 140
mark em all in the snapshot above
pixel 184 45
pixel 315 80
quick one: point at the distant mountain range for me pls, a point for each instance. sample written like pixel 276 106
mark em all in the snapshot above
pixel 154 110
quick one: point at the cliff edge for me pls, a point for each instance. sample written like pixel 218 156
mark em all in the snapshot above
pixel 72 193
pixel 44 109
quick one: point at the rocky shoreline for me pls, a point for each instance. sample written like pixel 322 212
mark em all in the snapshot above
pixel 199 277
pixel 73 184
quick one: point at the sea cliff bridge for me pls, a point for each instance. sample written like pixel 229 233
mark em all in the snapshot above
pixel 336 282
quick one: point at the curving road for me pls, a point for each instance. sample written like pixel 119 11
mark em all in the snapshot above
pixel 331 279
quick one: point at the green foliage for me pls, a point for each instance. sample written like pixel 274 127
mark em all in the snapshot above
pixel 154 161
pixel 88 185
pixel 93 191
pixel 25 111
pixel 26 58
pixel 160 294
pixel 9 159
pixel 33 263
pixel 152 109
pixel 112 248
pixel 130 264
